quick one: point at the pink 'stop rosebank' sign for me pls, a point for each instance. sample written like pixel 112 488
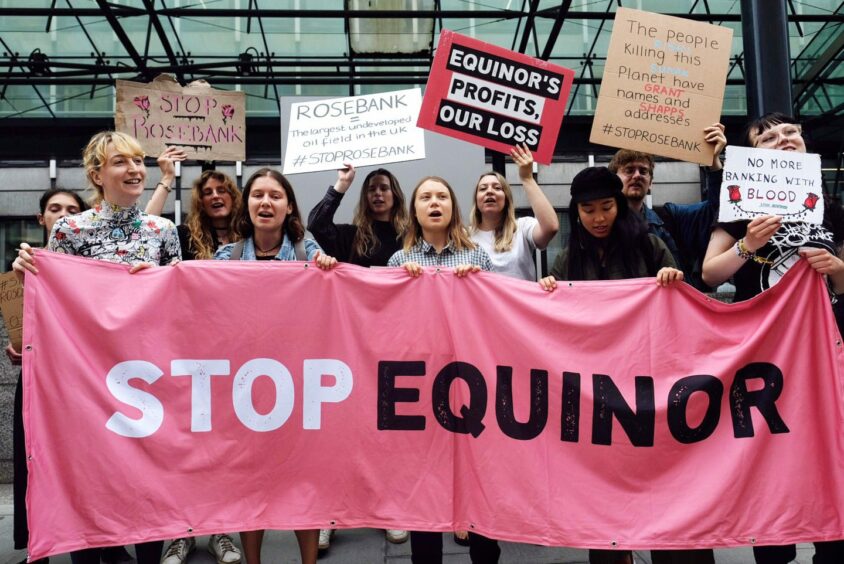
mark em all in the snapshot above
pixel 494 97
pixel 208 124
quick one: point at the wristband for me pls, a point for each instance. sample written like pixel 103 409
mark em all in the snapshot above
pixel 165 187
pixel 742 250
pixel 745 253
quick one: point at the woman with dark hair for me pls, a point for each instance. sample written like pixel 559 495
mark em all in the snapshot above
pixel 372 238
pixel 271 227
pixel 114 230
pixel 757 253
pixel 54 204
pixel 378 225
pixel 607 242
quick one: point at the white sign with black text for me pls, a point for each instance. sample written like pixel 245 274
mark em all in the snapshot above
pixel 362 130
pixel 768 182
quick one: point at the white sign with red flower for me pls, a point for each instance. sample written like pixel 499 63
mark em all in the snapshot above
pixel 768 182
pixel 208 124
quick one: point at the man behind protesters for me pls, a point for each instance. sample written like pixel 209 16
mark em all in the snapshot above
pixel 684 228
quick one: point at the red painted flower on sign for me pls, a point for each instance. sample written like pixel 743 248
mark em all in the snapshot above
pixel 735 193
pixel 143 103
pixel 811 201
pixel 228 112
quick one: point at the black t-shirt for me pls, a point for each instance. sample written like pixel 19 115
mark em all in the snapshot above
pixel 782 250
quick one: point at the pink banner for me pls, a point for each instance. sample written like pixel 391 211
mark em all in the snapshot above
pixel 227 396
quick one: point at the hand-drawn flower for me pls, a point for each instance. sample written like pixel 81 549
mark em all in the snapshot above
pixel 228 112
pixel 811 201
pixel 143 103
pixel 735 193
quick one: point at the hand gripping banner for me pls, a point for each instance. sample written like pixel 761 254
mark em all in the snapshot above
pixel 228 396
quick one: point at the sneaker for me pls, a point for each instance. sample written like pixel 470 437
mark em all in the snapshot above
pixel 325 536
pixel 223 549
pixel 396 536
pixel 178 551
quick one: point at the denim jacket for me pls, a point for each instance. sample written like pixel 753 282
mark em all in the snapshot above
pixel 286 252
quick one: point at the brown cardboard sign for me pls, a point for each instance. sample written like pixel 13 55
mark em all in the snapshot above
pixel 208 124
pixel 663 84
pixel 11 305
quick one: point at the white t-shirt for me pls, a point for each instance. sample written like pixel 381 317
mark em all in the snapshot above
pixel 519 261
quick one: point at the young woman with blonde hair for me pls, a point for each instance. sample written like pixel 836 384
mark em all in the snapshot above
pixel 114 230
pixel 511 243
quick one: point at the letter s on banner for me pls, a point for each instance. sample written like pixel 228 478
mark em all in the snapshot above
pixel 242 394
pixel 152 411
pixel 315 394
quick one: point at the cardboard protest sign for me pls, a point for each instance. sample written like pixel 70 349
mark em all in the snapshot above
pixel 663 84
pixel 361 130
pixel 208 124
pixel 764 181
pixel 494 97
pixel 11 305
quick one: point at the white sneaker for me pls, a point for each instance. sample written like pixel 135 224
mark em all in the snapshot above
pixel 223 549
pixel 178 551
pixel 325 536
pixel 396 536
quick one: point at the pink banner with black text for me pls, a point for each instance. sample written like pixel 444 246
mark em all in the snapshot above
pixel 229 396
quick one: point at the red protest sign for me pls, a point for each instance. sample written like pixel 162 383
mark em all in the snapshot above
pixel 494 97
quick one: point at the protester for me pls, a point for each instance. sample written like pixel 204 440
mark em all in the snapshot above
pixel 512 243
pixel 212 220
pixel 114 230
pixel 54 204
pixel 436 237
pixel 378 225
pixel 215 204
pixel 271 227
pixel 608 242
pixel 375 234
pixel 684 228
pixel 757 253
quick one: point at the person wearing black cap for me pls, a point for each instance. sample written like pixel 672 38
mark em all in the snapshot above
pixel 607 242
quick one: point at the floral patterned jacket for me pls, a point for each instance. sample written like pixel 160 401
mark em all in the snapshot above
pixel 115 234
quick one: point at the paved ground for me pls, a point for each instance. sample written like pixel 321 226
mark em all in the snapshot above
pixel 368 546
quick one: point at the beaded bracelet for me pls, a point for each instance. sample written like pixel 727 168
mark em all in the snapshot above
pixel 742 251
pixel 165 187
pixel 745 253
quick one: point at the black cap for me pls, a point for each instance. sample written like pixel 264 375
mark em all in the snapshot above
pixel 595 183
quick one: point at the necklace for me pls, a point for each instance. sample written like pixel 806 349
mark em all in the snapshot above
pixel 264 252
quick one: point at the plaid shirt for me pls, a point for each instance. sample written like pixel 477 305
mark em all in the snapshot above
pixel 424 254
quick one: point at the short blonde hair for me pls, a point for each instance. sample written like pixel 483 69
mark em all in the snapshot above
pixel 94 155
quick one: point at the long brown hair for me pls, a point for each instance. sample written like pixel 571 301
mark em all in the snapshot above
pixel 199 224
pixel 506 228
pixel 292 225
pixel 457 234
pixel 365 243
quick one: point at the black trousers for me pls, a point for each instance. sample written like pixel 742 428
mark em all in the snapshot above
pixel 829 552
pixel 145 552
pixel 427 548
